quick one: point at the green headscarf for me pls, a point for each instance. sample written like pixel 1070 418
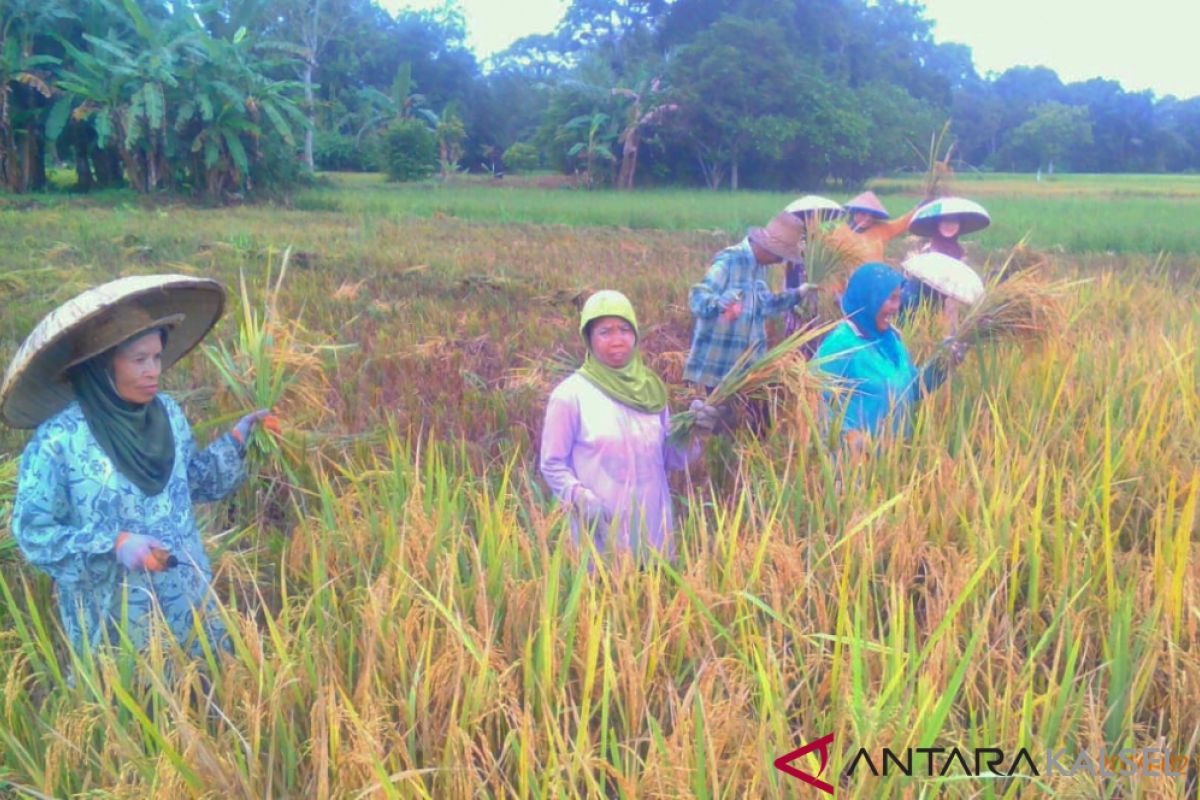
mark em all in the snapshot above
pixel 634 384
pixel 137 438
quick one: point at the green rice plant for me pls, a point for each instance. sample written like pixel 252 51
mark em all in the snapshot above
pixel 9 466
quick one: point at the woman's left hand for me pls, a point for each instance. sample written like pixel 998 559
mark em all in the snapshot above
pixel 707 416
pixel 245 425
pixel 957 350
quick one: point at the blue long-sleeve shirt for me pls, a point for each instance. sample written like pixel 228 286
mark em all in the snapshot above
pixel 72 502
pixel 878 391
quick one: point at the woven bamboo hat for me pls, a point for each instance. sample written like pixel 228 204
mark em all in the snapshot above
pixel 948 275
pixel 36 385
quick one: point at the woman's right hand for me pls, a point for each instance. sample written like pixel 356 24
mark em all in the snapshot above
pixel 591 507
pixel 136 553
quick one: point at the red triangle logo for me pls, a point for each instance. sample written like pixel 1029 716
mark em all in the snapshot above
pixel 784 762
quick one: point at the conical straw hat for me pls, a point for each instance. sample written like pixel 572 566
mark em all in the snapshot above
pixel 36 386
pixel 814 202
pixel 868 203
pixel 971 216
pixel 947 274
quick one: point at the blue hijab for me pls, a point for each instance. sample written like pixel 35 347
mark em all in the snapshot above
pixel 868 289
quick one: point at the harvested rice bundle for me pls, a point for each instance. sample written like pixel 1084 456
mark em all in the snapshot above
pixel 830 255
pixel 1024 308
pixel 936 164
pixel 750 379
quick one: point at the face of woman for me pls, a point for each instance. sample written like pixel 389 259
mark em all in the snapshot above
pixel 612 340
pixel 888 310
pixel 948 228
pixel 136 367
pixel 863 220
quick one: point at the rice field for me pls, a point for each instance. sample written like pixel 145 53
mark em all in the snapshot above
pixel 409 620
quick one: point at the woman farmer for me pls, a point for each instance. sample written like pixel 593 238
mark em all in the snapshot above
pixel 604 440
pixel 107 483
pixel 941 222
pixel 871 227
pixel 866 352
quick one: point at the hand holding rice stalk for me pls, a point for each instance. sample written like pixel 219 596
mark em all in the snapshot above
pixel 752 378
pixel 263 364
pixel 1023 308
pixel 829 257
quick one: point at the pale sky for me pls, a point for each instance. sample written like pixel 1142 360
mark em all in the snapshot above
pixel 1144 44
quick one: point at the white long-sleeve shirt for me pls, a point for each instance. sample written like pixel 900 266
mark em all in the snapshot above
pixel 621 455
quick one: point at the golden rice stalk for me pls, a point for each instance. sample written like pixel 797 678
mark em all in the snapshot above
pixel 752 378
pixel 349 290
pixel 541 373
pixel 936 164
pixel 829 255
pixel 1024 307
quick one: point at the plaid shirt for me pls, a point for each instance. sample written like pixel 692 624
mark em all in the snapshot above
pixel 716 344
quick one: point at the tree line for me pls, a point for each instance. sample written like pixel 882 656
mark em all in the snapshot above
pixel 228 97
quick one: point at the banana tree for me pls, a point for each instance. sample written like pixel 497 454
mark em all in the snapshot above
pixel 179 104
pixel 25 87
pixel 595 144
pixel 122 88
pixel 403 101
pixel 450 137
pixel 645 110
pixel 233 103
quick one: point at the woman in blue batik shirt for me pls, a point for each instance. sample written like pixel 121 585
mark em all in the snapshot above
pixel 108 481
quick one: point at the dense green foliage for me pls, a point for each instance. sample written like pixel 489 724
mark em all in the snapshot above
pixel 224 98
pixel 521 157
pixel 411 151
pixel 146 93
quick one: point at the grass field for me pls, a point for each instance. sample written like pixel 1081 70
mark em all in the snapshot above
pixel 409 622
pixel 1083 214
